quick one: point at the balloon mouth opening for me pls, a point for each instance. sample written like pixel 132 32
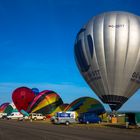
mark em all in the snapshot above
pixel 115 102
pixel 115 107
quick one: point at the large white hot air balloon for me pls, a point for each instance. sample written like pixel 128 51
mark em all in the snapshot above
pixel 107 52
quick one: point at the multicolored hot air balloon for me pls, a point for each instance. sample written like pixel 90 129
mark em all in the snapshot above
pixel 22 98
pixel 45 102
pixel 58 109
pixel 10 108
pixel 3 107
pixel 107 52
pixel 86 104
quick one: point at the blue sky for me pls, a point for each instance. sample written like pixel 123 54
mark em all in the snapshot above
pixel 37 40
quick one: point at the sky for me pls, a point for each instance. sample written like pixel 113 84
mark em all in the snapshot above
pixel 37 45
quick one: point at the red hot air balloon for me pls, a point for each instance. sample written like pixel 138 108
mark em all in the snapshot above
pixel 22 98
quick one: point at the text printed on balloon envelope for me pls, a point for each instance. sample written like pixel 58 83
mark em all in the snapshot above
pixel 116 26
pixel 94 75
pixel 136 77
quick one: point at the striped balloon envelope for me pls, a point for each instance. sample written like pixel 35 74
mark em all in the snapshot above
pixel 86 104
pixel 45 102
pixel 10 108
pixel 3 107
pixel 107 52
pixel 59 109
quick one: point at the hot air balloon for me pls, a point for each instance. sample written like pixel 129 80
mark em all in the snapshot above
pixel 10 108
pixel 35 90
pixel 60 108
pixel 22 98
pixel 107 52
pixel 86 105
pixel 3 107
pixel 45 102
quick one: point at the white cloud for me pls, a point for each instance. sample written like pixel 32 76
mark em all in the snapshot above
pixel 68 92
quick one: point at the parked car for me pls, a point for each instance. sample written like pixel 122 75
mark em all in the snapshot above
pixel 15 115
pixel 89 118
pixel 3 115
pixel 36 116
pixel 64 118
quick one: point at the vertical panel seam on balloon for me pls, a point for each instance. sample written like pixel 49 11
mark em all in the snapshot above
pixel 128 42
pixel 106 74
pixel 90 60
pixel 96 59
pixel 115 61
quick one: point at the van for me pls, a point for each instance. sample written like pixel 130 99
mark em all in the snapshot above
pixel 67 118
pixel 15 115
pixel 89 118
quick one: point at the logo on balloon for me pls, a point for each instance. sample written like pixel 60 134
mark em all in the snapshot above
pixel 94 75
pixel 136 77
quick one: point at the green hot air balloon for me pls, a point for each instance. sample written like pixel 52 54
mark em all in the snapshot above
pixel 107 52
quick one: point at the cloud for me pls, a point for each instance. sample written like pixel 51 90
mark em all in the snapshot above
pixel 67 91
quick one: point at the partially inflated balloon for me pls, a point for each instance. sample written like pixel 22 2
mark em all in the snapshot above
pixel 60 108
pixel 107 52
pixel 3 107
pixel 45 102
pixel 35 90
pixel 10 108
pixel 86 104
pixel 22 98
pixel 24 113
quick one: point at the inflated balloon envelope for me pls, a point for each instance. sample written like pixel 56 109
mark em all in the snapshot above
pixel 24 112
pixel 86 105
pixel 3 107
pixel 22 98
pixel 10 108
pixel 107 52
pixel 45 102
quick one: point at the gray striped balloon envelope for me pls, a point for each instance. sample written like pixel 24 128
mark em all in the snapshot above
pixel 107 52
